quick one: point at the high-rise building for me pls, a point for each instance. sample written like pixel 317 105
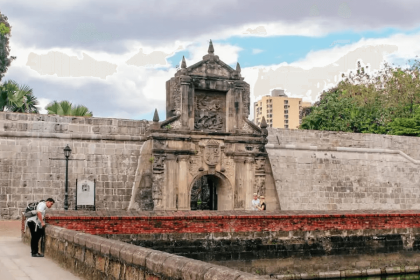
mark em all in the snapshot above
pixel 279 110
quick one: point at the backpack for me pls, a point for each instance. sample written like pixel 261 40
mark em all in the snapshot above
pixel 30 210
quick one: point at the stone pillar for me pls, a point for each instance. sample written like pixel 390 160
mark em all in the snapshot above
pixel 185 88
pixel 240 190
pixel 171 186
pixel 183 195
pixel 249 181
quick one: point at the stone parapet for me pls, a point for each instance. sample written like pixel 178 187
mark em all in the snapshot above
pixel 93 257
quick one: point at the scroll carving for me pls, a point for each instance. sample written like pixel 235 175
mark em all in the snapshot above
pixel 195 164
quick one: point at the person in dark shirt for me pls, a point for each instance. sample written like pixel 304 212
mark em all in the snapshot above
pixel 262 206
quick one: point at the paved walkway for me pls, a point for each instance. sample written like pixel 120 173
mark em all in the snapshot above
pixel 16 262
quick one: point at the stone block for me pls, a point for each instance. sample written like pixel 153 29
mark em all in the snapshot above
pixel 155 260
pixel 106 245
pixel 393 270
pixel 221 273
pixel 116 248
pixel 132 272
pixel 195 270
pixel 126 253
pixel 140 255
pixel 329 274
pixel 173 266
pixel 100 263
pixel 114 268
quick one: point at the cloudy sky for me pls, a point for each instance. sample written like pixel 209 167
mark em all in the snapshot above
pixel 114 57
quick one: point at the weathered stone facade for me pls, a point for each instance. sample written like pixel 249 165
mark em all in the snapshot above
pixel 109 149
pixel 324 170
pixel 206 133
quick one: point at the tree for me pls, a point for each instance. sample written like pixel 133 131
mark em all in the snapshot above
pixel 383 103
pixel 17 98
pixel 66 108
pixel 5 34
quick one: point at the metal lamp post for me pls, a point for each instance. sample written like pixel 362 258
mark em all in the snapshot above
pixel 67 152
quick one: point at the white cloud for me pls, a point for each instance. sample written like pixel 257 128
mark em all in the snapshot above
pixel 256 51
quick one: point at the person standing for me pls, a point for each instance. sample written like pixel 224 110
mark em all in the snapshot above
pixel 36 225
pixel 255 202
pixel 262 206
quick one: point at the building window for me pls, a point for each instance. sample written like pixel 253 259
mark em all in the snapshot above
pixel 286 111
pixel 286 121
pixel 286 106
pixel 286 101
pixel 286 126
pixel 286 116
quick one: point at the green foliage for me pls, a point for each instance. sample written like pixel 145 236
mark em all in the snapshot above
pixel 66 108
pixel 167 127
pixel 383 104
pixel 17 98
pixel 4 29
pixel 5 59
pixel 407 126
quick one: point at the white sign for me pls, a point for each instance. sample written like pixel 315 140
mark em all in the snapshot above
pixel 85 192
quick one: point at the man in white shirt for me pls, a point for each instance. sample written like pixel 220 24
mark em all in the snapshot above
pixel 37 225
pixel 255 202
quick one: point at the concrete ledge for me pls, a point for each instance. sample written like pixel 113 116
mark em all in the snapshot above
pixel 94 257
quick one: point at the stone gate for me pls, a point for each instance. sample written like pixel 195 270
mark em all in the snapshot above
pixel 206 152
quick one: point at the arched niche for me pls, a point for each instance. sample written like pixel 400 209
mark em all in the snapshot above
pixel 220 192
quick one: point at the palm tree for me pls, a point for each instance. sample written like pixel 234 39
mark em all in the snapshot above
pixel 66 108
pixel 17 98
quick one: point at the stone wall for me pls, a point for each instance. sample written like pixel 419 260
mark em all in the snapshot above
pixel 306 244
pixel 107 151
pixel 344 171
pixel 97 258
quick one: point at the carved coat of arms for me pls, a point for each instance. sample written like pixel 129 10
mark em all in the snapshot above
pixel 212 153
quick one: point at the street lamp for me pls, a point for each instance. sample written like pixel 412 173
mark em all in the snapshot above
pixel 67 152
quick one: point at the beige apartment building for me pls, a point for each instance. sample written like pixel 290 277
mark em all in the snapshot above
pixel 279 110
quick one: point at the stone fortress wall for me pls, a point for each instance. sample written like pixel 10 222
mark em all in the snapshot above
pixel 109 149
pixel 324 170
pixel 313 170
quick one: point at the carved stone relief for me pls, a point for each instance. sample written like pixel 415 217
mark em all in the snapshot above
pixel 194 164
pixel 210 111
pixel 157 190
pixel 158 163
pixel 229 166
pixel 259 185
pixel 212 68
pixel 212 153
pixel 247 128
pixel 260 165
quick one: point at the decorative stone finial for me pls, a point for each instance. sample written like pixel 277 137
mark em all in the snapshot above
pixel 156 116
pixel 211 49
pixel 238 67
pixel 263 126
pixel 183 63
pixel 263 123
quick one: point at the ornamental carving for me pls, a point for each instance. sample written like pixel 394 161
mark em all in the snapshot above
pixel 259 185
pixel 247 128
pixel 212 153
pixel 194 165
pixel 157 190
pixel 158 163
pixel 229 166
pixel 260 164
pixel 209 111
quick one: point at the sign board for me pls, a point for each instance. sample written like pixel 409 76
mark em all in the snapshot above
pixel 85 192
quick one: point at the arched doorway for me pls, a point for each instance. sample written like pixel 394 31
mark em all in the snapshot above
pixel 211 192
